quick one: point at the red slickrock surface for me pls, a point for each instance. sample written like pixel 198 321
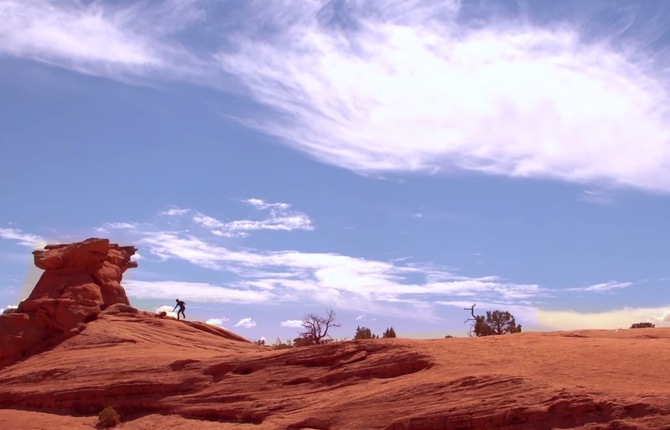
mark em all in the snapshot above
pixel 162 373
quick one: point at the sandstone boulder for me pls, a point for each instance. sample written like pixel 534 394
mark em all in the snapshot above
pixel 79 281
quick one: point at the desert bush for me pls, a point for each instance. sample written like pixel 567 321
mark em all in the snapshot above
pixel 278 344
pixel 108 417
pixel 643 325
pixel 303 341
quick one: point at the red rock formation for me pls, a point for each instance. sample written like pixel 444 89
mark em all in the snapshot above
pixel 160 373
pixel 79 280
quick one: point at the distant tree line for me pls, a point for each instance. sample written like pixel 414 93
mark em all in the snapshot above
pixel 317 327
pixel 366 333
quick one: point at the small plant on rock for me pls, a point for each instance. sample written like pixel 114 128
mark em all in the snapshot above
pixel 279 344
pixel 108 417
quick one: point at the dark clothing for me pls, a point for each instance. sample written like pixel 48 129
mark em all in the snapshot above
pixel 182 307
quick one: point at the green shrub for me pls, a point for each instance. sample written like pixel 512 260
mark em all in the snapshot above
pixel 108 417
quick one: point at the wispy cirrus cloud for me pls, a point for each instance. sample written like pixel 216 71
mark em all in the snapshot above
pixel 108 39
pixel 174 211
pixel 333 278
pixel 24 239
pixel 603 287
pixel 416 85
pixel 260 204
pixel 280 218
pixel 194 291
pixel 364 285
pixel 74 33
pixel 107 227
pixel 419 87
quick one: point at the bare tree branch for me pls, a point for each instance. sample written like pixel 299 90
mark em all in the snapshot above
pixel 316 327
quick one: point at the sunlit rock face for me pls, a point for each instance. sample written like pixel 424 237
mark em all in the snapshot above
pixel 79 281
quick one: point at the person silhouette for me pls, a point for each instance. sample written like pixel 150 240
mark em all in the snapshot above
pixel 182 307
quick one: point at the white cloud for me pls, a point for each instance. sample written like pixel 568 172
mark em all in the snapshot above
pixel 603 287
pixel 122 225
pixel 123 42
pixel 193 291
pixel 336 279
pixel 24 239
pixel 280 218
pixel 167 309
pixel 378 86
pixel 478 287
pixel 295 221
pixel 291 323
pixel 7 308
pixel 175 212
pixel 246 323
pixel 260 204
pixel 219 322
pixel 105 228
pixel 413 88
pixel 73 33
pixel 208 221
pixel 612 319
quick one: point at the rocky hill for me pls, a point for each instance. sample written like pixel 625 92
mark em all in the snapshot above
pixel 163 373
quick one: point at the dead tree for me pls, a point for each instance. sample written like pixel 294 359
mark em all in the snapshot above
pixel 475 321
pixel 316 328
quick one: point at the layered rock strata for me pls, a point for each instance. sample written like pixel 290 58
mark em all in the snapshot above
pixel 79 281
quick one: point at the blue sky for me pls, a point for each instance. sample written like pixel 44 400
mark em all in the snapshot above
pixel 396 161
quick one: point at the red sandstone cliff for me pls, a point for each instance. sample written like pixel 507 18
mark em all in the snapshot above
pixel 79 280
